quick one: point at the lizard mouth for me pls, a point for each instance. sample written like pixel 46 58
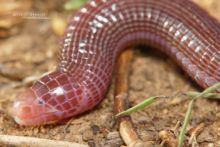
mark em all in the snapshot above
pixel 28 111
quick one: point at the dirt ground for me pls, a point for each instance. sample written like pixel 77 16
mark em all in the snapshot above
pixel 29 48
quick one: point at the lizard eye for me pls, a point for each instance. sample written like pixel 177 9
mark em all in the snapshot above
pixel 41 102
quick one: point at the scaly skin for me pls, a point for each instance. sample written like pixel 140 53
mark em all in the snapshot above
pixel 98 33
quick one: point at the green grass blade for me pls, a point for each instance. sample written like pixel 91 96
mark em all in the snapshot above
pixel 206 92
pixel 209 90
pixel 185 124
pixel 207 95
pixel 139 106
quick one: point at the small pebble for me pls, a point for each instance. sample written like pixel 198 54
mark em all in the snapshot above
pixel 87 135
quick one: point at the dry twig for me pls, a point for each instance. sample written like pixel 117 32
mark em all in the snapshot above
pixel 194 132
pixel 35 142
pixel 127 132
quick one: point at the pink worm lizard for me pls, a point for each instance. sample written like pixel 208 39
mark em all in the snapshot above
pixel 95 37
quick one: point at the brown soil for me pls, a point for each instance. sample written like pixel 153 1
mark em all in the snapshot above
pixel 30 48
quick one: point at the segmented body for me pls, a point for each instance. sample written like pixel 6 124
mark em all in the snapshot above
pixel 101 29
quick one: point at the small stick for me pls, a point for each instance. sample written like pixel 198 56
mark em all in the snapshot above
pixel 127 132
pixel 168 139
pixel 195 132
pixel 35 142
